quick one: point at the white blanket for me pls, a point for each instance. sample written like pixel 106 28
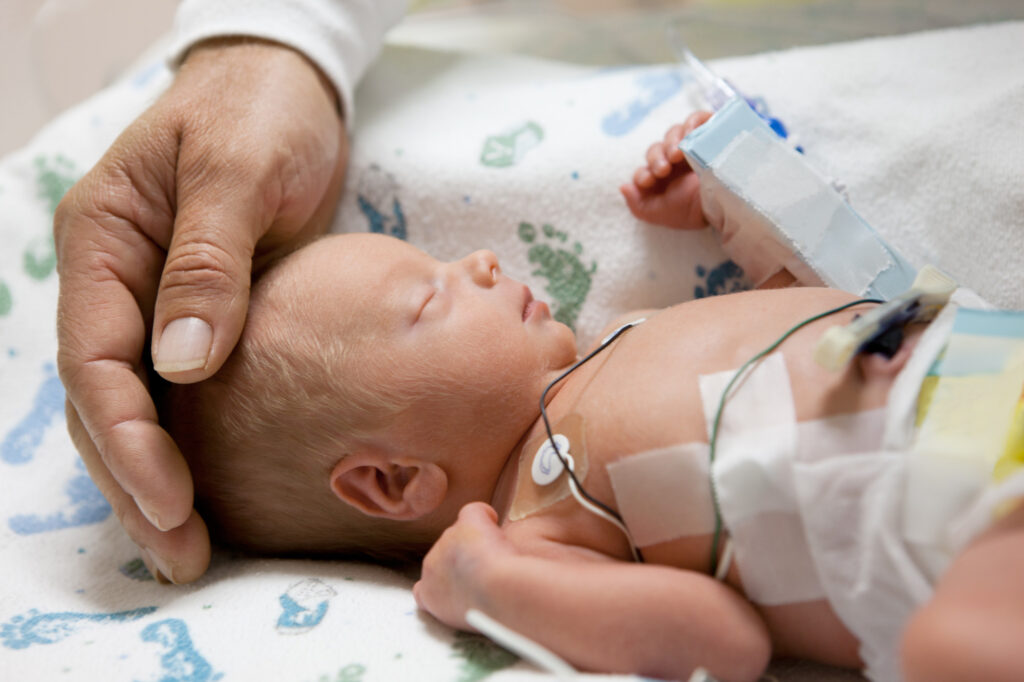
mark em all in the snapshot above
pixel 456 153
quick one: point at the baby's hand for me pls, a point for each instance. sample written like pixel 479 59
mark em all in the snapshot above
pixel 452 581
pixel 666 191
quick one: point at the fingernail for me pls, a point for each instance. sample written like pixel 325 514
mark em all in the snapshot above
pixel 152 517
pixel 157 567
pixel 185 344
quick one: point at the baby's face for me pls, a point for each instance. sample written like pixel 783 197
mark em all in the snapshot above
pixel 461 331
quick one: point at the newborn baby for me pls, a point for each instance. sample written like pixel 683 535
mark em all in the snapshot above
pixel 371 424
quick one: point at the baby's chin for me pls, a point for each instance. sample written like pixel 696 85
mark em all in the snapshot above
pixel 568 352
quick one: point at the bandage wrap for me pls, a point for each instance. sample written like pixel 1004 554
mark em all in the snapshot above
pixel 775 211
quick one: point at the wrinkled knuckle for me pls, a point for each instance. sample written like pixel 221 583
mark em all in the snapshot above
pixel 200 267
pixel 62 214
pixel 67 368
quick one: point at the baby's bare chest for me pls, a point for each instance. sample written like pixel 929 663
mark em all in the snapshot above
pixel 619 412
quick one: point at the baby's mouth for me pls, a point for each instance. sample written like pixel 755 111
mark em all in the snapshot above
pixel 527 303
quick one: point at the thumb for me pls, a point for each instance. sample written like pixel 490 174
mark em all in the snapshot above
pixel 479 512
pixel 204 289
pixel 632 194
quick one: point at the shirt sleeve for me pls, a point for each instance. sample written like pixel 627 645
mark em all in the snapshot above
pixel 342 37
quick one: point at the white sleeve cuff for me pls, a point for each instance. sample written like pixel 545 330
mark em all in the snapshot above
pixel 342 37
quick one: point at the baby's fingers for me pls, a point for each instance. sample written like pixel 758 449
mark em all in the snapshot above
pixel 694 121
pixel 673 137
pixel 644 178
pixel 658 161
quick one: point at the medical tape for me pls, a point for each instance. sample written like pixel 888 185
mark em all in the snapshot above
pixel 775 178
pixel 756 436
pixel 757 440
pixel 530 495
pixel 746 237
pixel 759 444
pixel 664 494
pixel 766 196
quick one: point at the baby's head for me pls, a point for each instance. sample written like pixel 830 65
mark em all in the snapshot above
pixel 374 391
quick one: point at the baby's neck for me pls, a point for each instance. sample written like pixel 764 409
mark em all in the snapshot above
pixel 504 490
pixel 505 486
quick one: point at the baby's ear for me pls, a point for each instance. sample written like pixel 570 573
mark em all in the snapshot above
pixel 390 487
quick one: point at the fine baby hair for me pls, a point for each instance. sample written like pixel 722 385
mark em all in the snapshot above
pixel 262 434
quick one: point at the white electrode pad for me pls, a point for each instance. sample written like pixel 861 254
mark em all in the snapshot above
pixel 540 479
pixel 547 467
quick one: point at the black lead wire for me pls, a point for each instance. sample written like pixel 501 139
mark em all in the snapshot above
pixel 551 436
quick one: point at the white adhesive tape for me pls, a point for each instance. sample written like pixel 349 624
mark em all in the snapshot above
pixel 664 494
pixel 816 223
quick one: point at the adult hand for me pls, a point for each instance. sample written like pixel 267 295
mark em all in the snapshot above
pixel 242 159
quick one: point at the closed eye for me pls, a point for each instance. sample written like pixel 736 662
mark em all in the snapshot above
pixel 426 300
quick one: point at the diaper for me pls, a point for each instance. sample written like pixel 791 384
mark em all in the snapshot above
pixel 883 526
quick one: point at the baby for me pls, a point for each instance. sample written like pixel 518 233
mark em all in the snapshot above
pixel 408 417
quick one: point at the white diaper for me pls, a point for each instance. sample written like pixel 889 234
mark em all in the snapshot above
pixel 879 546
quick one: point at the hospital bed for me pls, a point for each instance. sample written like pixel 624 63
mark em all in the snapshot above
pixel 455 152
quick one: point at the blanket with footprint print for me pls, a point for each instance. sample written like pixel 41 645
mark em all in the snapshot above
pixel 453 153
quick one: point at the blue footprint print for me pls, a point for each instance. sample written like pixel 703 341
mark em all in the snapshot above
pixel 303 606
pixel 724 278
pixel 35 628
pixel 180 660
pixel 21 442
pixel 657 86
pixel 86 505
pixel 85 502
pixel 377 197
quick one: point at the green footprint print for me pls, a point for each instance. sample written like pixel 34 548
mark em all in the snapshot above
pixel 352 672
pixel 481 656
pixel 508 148
pixel 568 278
pixel 54 177
pixel 5 298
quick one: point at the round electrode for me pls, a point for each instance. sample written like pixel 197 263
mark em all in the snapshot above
pixel 546 465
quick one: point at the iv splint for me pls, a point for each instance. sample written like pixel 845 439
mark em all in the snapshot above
pixel 774 210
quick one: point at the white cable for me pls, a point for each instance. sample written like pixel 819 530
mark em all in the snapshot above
pixel 519 644
pixel 723 565
pixel 594 509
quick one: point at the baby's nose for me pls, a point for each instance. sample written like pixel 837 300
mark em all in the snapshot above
pixel 483 267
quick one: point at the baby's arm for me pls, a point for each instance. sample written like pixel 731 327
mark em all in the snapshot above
pixel 595 612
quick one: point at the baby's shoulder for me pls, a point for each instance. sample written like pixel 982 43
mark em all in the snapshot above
pixel 626 318
pixel 551 537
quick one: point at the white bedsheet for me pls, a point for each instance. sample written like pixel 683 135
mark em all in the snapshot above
pixel 456 153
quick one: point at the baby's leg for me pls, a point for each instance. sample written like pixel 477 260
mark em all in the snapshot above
pixel 973 627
